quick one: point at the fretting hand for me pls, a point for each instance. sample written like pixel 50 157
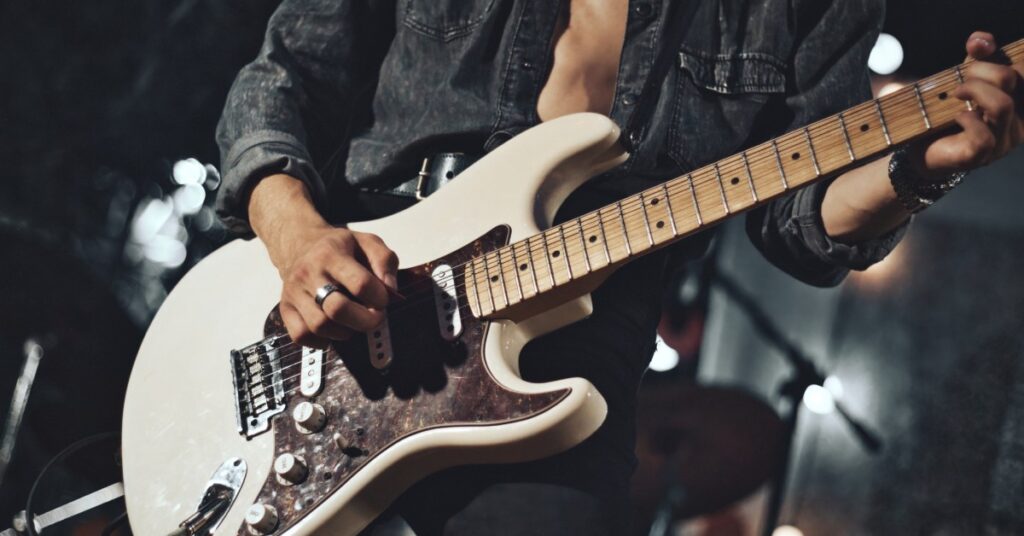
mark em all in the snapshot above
pixel 995 126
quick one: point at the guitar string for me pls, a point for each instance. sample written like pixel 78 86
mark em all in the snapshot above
pixel 702 177
pixel 580 248
pixel 289 391
pixel 892 118
pixel 587 222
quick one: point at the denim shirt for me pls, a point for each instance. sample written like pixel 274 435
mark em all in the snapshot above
pixel 377 85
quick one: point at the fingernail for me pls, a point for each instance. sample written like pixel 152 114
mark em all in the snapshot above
pixel 983 41
pixel 391 281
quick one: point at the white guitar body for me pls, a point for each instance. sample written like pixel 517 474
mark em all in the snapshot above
pixel 179 419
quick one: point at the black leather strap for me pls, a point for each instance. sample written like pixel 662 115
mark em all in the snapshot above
pixel 436 172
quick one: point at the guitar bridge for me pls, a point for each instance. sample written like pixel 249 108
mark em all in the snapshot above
pixel 258 385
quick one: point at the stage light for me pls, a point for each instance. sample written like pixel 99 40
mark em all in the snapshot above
pixel 834 386
pixel 886 56
pixel 165 250
pixel 189 198
pixel 188 171
pixel 787 530
pixel 819 400
pixel 665 358
pixel 154 214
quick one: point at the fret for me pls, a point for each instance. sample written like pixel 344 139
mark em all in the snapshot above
pixel 565 251
pixel 814 156
pixel 721 189
pixel 881 119
pixel 846 137
pixel 778 162
pixel 668 205
pixel 960 78
pixel 647 222
pixel 476 287
pixel 547 256
pixel 490 291
pixel 920 104
pixel 625 232
pixel 515 268
pixel 750 176
pixel 604 239
pixel 501 277
pixel 693 195
pixel 583 240
pixel 533 267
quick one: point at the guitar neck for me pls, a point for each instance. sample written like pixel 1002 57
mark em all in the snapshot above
pixel 600 240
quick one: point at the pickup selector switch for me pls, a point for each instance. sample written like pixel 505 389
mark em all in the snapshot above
pixel 261 518
pixel 290 468
pixel 309 417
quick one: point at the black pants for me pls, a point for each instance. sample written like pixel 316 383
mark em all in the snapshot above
pixel 475 501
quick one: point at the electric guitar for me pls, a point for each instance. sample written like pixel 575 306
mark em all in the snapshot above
pixel 230 428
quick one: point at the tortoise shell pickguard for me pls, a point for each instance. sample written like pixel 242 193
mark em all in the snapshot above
pixel 430 383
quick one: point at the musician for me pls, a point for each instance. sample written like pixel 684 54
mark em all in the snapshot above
pixel 379 86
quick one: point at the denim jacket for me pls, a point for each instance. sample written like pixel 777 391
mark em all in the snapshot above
pixel 377 85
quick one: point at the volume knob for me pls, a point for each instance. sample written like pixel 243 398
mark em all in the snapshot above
pixel 261 518
pixel 290 468
pixel 309 417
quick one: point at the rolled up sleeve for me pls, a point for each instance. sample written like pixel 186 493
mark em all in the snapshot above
pixel 829 74
pixel 294 97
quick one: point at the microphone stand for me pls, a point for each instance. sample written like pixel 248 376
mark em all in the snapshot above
pixel 805 374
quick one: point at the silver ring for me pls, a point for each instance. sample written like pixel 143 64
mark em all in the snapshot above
pixel 323 292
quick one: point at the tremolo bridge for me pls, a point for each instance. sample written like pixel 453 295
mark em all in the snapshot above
pixel 259 384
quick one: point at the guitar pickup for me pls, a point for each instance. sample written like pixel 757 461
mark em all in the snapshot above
pixel 312 372
pixel 446 302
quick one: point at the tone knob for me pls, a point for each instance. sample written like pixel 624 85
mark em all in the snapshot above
pixel 261 518
pixel 309 417
pixel 290 468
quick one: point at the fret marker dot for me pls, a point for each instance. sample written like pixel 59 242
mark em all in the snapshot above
pixel 735 181
pixel 660 224
pixel 494 279
pixel 864 127
pixel 796 156
pixel 523 267
pixel 654 201
pixel 556 253
pixel 593 238
pixel 943 95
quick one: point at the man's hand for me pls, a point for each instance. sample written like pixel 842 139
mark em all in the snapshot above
pixel 310 253
pixel 995 126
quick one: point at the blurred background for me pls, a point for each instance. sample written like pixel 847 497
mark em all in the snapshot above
pixel 902 389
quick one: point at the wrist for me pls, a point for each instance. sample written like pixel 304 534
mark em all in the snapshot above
pixel 283 216
pixel 915 190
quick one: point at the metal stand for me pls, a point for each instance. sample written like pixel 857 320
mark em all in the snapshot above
pixel 33 351
pixel 805 374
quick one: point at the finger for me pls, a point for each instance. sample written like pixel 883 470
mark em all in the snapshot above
pixel 996 104
pixel 346 312
pixel 973 146
pixel 317 321
pixel 980 45
pixel 358 281
pixel 1001 76
pixel 298 331
pixel 382 260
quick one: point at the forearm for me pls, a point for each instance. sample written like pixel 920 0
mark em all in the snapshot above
pixel 280 210
pixel 861 204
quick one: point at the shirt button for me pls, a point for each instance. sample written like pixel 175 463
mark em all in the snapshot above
pixel 634 138
pixel 643 10
pixel 628 100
